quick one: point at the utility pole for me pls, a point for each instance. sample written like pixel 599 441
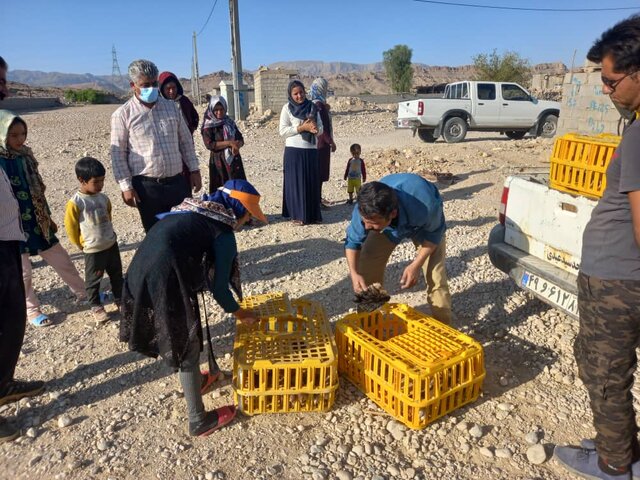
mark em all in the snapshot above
pixel 196 73
pixel 236 60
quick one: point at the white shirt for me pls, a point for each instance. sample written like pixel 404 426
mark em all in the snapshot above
pixel 289 129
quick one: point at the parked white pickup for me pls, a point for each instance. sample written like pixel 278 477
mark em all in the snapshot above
pixel 538 241
pixel 486 106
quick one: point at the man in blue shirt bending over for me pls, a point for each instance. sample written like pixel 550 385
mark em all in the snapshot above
pixel 400 206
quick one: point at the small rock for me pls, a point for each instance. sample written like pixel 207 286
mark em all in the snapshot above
pixel 532 438
pixel 274 469
pixel 64 421
pixel 505 407
pixel 209 476
pixel 396 429
pixel 536 454
pixel 344 449
pixel 486 452
pixel 462 426
pixel 102 445
pixel 475 431
pixel 343 475
pixel 503 453
pixel 31 432
pixel 393 470
pixel 464 448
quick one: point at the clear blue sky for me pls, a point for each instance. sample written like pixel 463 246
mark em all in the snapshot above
pixel 77 36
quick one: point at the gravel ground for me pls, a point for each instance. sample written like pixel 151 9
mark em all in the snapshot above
pixel 112 414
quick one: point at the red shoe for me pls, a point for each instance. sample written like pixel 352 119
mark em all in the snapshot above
pixel 213 421
pixel 208 379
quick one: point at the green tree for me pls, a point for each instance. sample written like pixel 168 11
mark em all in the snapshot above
pixel 88 95
pixel 397 64
pixel 508 67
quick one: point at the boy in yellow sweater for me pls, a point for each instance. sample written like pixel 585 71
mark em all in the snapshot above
pixel 87 220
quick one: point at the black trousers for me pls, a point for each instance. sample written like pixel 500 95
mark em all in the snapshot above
pixel 158 195
pixel 95 266
pixel 13 310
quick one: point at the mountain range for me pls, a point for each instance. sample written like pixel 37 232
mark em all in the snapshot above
pixel 344 78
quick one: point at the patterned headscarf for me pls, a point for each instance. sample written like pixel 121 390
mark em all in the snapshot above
pixel 319 89
pixel 210 121
pixel 36 184
pixel 227 204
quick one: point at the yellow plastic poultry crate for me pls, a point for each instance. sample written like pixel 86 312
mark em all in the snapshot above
pixel 285 363
pixel 274 304
pixel 413 366
pixel 579 163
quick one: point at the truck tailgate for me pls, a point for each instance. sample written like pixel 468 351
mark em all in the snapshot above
pixel 408 109
pixel 546 223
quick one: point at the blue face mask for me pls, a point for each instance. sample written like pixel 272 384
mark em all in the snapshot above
pixel 149 95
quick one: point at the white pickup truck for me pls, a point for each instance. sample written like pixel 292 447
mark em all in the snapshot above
pixel 538 241
pixel 484 106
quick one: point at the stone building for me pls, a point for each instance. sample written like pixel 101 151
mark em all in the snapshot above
pixel 271 88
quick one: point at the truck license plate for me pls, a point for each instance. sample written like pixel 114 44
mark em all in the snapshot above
pixel 403 123
pixel 564 300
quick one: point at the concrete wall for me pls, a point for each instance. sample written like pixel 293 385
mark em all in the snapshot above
pixel 29 103
pixel 546 81
pixel 271 89
pixel 585 109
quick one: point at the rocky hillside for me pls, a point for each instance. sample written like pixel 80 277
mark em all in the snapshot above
pixel 344 78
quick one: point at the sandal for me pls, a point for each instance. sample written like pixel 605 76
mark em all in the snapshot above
pixel 41 320
pixel 297 223
pixel 213 421
pixel 208 379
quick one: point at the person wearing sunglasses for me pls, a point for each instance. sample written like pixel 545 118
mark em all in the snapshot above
pixel 609 280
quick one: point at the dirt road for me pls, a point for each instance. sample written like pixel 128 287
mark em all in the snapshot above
pixel 127 414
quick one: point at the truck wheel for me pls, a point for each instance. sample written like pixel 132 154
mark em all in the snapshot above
pixel 548 126
pixel 455 129
pixel 515 135
pixel 426 135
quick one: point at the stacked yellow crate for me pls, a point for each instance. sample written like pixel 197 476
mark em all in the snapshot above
pixel 287 361
pixel 579 163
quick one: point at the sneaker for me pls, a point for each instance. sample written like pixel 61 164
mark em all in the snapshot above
pixel 100 315
pixel 585 463
pixel 212 421
pixel 15 390
pixel 590 444
pixel 8 431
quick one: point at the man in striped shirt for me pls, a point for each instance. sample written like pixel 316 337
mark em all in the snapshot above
pixel 13 309
pixel 150 147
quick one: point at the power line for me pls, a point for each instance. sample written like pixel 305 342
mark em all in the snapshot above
pixel 496 7
pixel 205 23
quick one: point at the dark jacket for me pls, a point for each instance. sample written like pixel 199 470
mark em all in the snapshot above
pixel 188 110
pixel 175 261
